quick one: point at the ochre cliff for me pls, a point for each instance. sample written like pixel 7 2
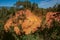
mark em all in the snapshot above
pixel 28 21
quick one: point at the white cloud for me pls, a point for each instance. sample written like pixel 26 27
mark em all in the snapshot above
pixel 47 3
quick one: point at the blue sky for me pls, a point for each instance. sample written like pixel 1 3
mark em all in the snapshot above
pixel 41 3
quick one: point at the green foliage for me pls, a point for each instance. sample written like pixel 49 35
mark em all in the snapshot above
pixel 53 33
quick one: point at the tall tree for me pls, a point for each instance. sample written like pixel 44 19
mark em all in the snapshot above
pixel 58 8
pixel 23 3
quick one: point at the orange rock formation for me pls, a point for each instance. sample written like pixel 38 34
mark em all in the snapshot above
pixel 50 16
pixel 28 21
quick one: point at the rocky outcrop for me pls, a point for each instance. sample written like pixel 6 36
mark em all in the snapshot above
pixel 50 17
pixel 23 21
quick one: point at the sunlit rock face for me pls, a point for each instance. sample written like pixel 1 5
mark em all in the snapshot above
pixel 51 16
pixel 28 22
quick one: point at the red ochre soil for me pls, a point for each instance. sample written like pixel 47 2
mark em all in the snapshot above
pixel 51 16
